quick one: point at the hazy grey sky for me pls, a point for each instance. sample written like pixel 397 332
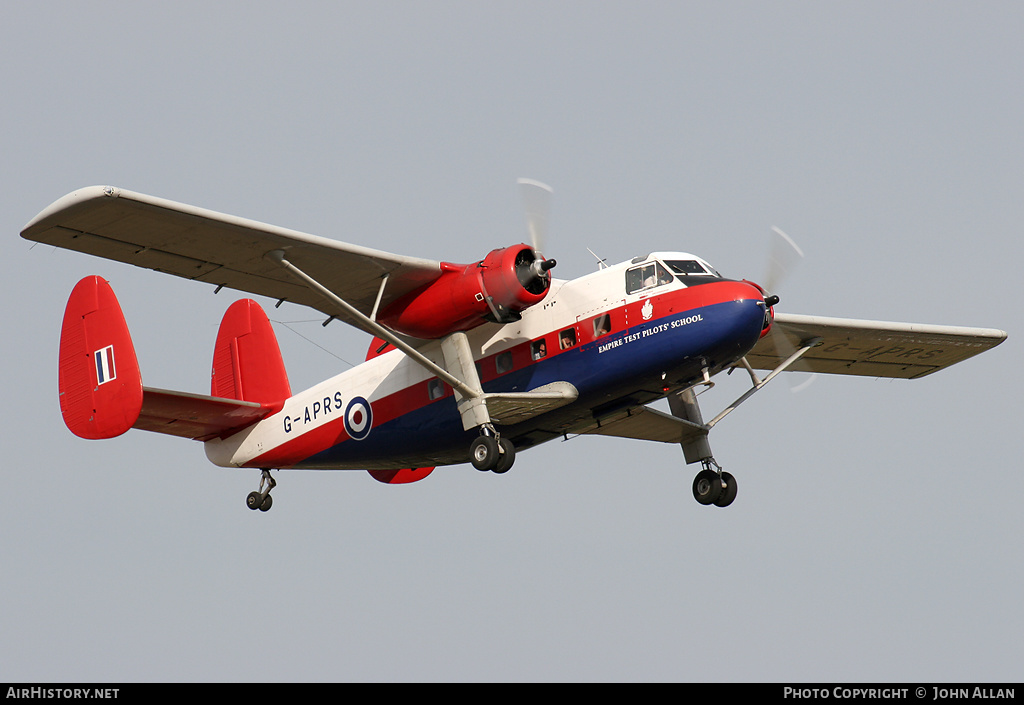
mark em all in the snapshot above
pixel 877 532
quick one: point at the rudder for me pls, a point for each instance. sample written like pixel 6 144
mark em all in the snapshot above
pixel 98 379
pixel 247 362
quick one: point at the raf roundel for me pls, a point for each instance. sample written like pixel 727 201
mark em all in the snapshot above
pixel 358 418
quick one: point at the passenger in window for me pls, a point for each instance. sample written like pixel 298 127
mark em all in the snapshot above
pixel 567 338
pixel 602 325
pixel 539 349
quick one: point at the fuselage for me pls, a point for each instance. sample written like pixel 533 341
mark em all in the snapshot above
pixel 622 336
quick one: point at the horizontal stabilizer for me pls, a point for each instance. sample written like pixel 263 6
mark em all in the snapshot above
pixel 101 392
pixel 196 416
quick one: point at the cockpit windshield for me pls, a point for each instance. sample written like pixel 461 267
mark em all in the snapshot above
pixel 689 267
pixel 654 273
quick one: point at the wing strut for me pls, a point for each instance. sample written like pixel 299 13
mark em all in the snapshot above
pixel 804 347
pixel 380 293
pixel 374 328
pixel 511 407
pixel 712 484
pixel 692 434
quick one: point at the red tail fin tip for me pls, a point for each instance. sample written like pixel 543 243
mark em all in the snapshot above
pixel 247 363
pixel 99 380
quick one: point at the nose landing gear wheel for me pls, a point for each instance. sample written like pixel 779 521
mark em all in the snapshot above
pixel 728 491
pixel 713 485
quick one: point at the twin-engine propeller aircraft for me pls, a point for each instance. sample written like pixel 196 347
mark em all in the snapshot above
pixel 469 362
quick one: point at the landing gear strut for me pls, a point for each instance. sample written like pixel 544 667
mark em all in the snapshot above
pixel 492 452
pixel 713 485
pixel 261 499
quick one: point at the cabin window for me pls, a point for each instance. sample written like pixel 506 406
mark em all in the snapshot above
pixel 435 389
pixel 503 362
pixel 646 276
pixel 539 349
pixel 567 338
pixel 602 325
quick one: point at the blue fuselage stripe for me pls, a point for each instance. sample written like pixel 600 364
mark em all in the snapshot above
pixel 678 346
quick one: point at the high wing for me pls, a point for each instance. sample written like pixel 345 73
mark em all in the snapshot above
pixel 224 250
pixel 839 346
pixel 870 348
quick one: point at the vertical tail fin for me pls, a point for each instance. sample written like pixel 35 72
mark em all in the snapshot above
pixel 247 361
pixel 99 380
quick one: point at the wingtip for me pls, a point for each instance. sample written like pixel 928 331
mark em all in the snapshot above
pixel 64 203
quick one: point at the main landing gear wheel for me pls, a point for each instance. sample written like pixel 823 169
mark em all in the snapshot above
pixel 261 499
pixel 484 453
pixel 494 454
pixel 508 456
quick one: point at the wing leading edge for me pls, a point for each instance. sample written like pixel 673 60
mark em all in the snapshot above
pixel 223 250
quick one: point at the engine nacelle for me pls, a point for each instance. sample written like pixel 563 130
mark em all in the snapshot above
pixel 496 289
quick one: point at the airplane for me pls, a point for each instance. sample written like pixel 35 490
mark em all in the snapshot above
pixel 469 362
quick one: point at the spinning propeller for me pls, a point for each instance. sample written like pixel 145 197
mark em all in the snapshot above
pixel 784 256
pixel 533 271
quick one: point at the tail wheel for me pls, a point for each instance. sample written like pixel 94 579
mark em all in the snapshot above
pixel 261 498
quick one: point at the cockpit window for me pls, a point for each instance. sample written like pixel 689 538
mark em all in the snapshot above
pixel 691 267
pixel 646 276
pixel 686 266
